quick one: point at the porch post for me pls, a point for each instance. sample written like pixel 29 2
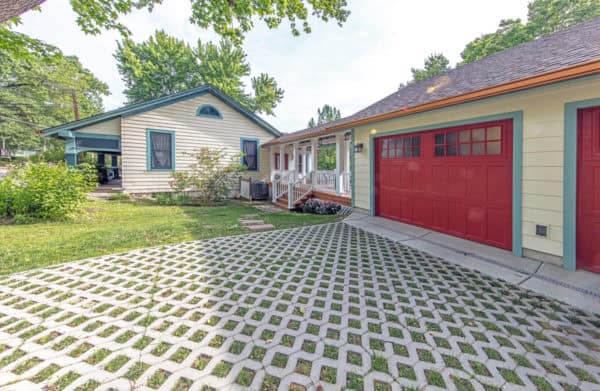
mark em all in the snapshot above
pixel 314 144
pixel 281 153
pixel 71 152
pixel 295 158
pixel 339 140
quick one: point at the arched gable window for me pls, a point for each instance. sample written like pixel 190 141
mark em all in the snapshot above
pixel 208 111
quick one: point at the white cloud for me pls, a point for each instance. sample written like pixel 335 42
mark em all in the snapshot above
pixel 350 66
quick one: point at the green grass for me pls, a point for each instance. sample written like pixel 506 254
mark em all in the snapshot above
pixel 112 227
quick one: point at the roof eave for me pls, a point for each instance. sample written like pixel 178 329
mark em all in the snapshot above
pixel 563 74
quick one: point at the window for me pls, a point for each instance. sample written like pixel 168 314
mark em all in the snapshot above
pixel 478 141
pixel 208 111
pixel 161 150
pixel 300 163
pixel 250 154
pixel 398 147
pixel 277 155
pixel 286 162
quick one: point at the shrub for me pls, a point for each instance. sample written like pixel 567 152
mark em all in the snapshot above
pixel 42 191
pixel 321 207
pixel 210 178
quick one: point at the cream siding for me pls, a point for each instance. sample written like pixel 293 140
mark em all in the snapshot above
pixel 108 127
pixel 191 133
pixel 543 150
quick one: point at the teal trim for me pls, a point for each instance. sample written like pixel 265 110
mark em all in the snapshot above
pixel 149 149
pixel 372 156
pixel 352 168
pixel 78 136
pixel 257 141
pixel 160 102
pixel 570 181
pixel 71 159
pixel 517 209
pixel 201 107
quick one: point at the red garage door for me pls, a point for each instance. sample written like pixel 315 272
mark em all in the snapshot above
pixel 588 190
pixel 454 180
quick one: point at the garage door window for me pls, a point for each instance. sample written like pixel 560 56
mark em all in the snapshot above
pixel 401 147
pixel 469 142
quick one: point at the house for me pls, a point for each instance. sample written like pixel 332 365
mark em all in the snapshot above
pixel 141 144
pixel 504 151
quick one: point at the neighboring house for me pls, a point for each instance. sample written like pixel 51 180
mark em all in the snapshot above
pixel 504 151
pixel 155 138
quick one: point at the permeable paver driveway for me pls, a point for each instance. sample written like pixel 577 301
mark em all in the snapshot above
pixel 326 306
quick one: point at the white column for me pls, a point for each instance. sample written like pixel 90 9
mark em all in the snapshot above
pixel 295 158
pixel 339 140
pixel 314 145
pixel 281 153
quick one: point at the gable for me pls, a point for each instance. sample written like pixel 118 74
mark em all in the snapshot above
pixel 158 103
pixel 183 115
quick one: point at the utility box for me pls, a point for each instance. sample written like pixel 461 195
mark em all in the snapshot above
pixel 259 190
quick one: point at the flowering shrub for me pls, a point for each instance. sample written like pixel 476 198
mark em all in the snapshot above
pixel 321 207
pixel 42 191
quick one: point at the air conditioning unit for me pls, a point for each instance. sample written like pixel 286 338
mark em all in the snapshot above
pixel 259 190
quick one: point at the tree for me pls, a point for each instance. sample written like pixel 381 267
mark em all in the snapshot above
pixel 435 64
pixel 35 90
pixel 324 115
pixel 230 19
pixel 548 16
pixel 326 153
pixel 544 17
pixel 164 65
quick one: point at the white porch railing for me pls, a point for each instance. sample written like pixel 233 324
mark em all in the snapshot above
pixel 346 184
pixel 326 180
pixel 298 190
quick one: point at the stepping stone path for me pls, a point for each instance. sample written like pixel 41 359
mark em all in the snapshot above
pixel 254 224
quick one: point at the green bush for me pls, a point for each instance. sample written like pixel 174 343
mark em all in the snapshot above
pixel 42 191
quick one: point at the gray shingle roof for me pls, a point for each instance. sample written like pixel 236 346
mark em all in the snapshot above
pixel 572 46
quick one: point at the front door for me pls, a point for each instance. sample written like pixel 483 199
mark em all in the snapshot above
pixel 588 189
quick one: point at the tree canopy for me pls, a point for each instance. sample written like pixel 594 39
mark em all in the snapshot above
pixel 325 114
pixel 230 19
pixel 36 80
pixel 435 64
pixel 164 65
pixel 544 17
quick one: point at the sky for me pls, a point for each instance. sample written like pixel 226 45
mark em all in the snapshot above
pixel 349 67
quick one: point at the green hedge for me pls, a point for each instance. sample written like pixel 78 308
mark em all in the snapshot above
pixel 43 191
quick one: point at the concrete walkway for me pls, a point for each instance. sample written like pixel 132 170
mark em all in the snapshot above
pixel 580 289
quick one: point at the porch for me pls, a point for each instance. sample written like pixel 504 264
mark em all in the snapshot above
pixel 318 167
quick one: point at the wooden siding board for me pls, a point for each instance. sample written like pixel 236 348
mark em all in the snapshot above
pixel 192 132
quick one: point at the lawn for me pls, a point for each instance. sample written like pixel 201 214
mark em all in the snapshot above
pixel 111 227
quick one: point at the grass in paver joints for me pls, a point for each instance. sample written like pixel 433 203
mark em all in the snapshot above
pixel 222 369
pixel 245 377
pixel 136 370
pixel 239 279
pixel 126 226
pixel 158 378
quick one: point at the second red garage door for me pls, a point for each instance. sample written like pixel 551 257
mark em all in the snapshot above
pixel 453 180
